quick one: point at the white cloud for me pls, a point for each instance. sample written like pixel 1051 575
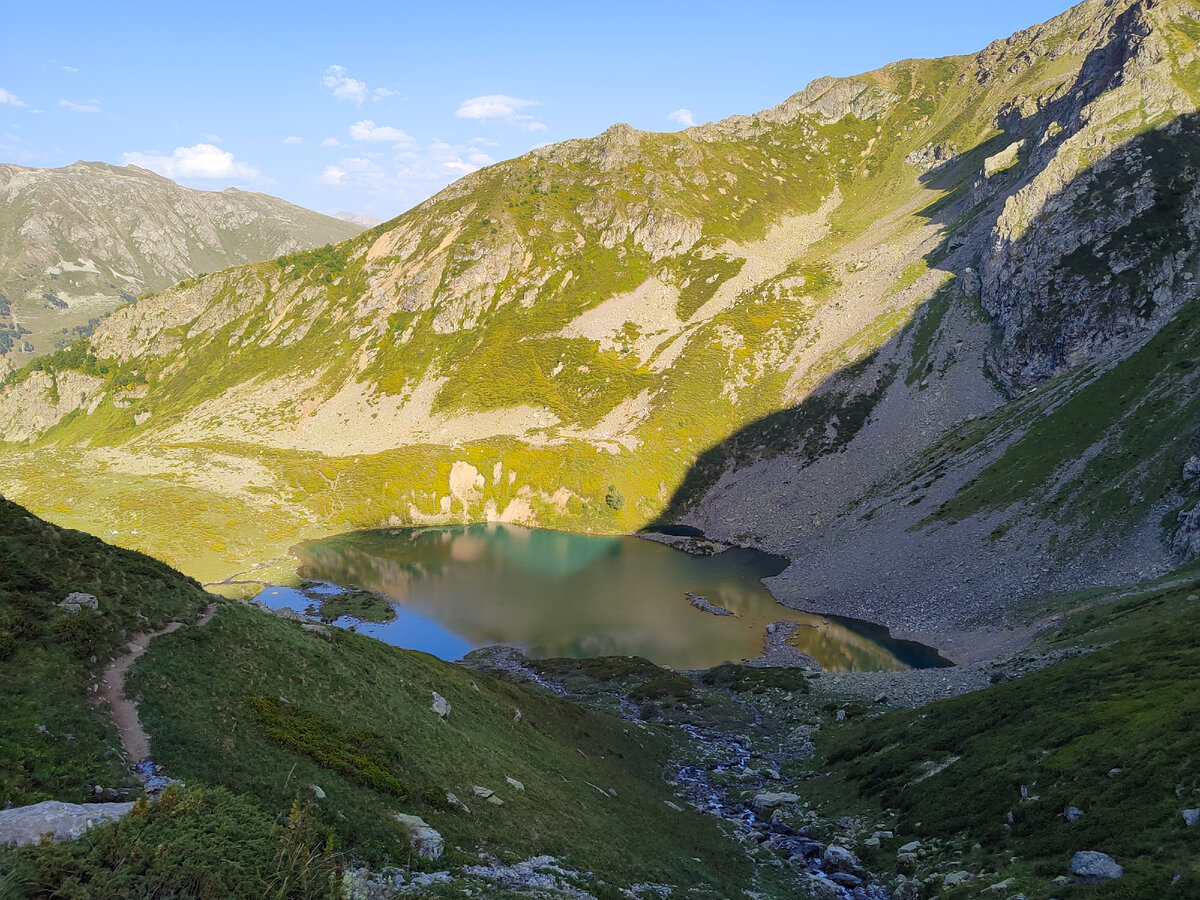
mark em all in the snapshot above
pixel 382 93
pixel 411 174
pixel 502 109
pixel 484 142
pixel 366 130
pixel 7 99
pixel 331 142
pixel 293 139
pixel 338 80
pixel 682 117
pixel 332 175
pixel 70 70
pixel 92 106
pixel 201 162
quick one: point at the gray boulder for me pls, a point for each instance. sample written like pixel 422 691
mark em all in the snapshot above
pixel 423 838
pixel 1094 867
pixel 77 600
pixel 839 859
pixel 1191 817
pixel 770 800
pixel 26 825
pixel 440 705
pixel 1191 468
pixel 1073 814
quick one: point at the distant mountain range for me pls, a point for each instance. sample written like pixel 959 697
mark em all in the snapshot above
pixel 77 241
pixel 358 218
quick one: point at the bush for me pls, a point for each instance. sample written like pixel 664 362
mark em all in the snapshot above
pixel 84 631
pixel 614 498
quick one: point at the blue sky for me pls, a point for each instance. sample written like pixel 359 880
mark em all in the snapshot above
pixel 372 107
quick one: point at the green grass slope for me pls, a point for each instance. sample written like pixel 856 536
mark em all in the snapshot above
pixel 1112 732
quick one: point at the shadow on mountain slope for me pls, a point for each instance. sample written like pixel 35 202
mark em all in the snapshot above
pixel 1104 264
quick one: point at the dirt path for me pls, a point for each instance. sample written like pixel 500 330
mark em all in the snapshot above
pixel 134 740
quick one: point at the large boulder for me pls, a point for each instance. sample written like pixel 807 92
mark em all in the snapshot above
pixel 770 800
pixel 61 821
pixel 1094 867
pixel 422 836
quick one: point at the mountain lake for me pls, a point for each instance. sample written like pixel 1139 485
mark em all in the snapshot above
pixel 553 593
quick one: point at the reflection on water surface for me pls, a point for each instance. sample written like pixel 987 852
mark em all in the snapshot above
pixel 558 594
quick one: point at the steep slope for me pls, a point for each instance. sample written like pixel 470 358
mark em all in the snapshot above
pixel 818 329
pixel 76 241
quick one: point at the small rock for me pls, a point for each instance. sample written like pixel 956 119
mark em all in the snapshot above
pixel 846 880
pixel 440 705
pixel 495 800
pixel 455 803
pixel 674 806
pixel 910 847
pixel 872 842
pixel 423 838
pixel 317 792
pixel 314 628
pixel 1094 867
pixel 1113 773
pixel 1191 817
pixel 40 729
pixel 841 715
pixel 1073 814
pixel 481 792
pixel 1000 886
pixel 881 698
pixel 516 784
pixel 956 879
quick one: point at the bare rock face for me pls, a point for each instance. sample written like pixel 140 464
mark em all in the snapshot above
pixel 1072 266
pixel 27 825
pixel 30 407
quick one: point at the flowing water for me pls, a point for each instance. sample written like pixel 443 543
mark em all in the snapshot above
pixel 554 593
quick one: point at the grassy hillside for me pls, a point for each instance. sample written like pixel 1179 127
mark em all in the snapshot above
pixel 984 780
pixel 250 711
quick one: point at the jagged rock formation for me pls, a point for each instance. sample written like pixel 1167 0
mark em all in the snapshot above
pixel 877 328
pixel 76 241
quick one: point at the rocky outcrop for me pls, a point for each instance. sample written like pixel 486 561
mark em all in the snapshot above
pixel 30 407
pixel 1079 259
pixel 26 825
